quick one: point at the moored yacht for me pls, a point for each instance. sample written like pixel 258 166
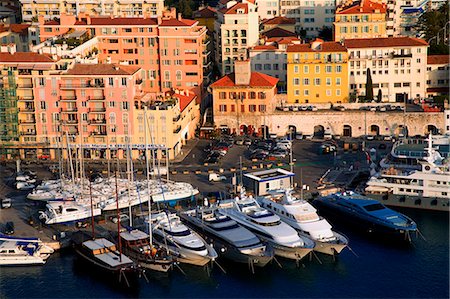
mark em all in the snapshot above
pixel 366 213
pixel 186 245
pixel 267 226
pixel 303 217
pixel 58 212
pixel 16 251
pixel 231 240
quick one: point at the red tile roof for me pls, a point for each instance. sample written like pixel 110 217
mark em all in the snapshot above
pixel 278 32
pixel 51 22
pixel 325 47
pixel 265 47
pixel 108 21
pixel 234 9
pixel 22 29
pixel 362 7
pixel 102 69
pixel 384 42
pixel 256 80
pixel 178 23
pixel 438 59
pixel 283 40
pixel 206 12
pixel 278 21
pixel 26 57
pixel 185 100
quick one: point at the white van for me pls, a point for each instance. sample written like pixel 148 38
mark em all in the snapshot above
pixel 6 203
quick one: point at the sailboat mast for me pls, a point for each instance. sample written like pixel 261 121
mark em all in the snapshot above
pixel 117 202
pixel 129 172
pixel 69 153
pixel 92 209
pixel 147 166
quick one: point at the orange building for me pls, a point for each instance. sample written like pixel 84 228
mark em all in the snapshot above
pixel 241 100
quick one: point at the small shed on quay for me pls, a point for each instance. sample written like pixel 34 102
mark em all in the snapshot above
pixel 261 182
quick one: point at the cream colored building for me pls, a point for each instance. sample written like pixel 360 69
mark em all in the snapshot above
pixel 31 9
pixel 437 75
pixel 236 30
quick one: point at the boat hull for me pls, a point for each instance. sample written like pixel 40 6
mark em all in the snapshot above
pixel 415 202
pixel 159 265
pixel 21 261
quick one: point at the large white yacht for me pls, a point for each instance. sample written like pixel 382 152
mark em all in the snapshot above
pixel 231 240
pixel 302 216
pixel 186 245
pixel 23 251
pixel 285 240
pixel 430 184
pixel 58 212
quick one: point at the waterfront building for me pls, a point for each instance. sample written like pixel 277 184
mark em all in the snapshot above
pixel 31 10
pixel 278 22
pixel 268 8
pixel 270 58
pixel 360 19
pixel 171 51
pixel 447 121
pixel 236 30
pixel 99 106
pixel 317 73
pixel 243 99
pixel 437 75
pixel 15 34
pixel 311 16
pixel 397 65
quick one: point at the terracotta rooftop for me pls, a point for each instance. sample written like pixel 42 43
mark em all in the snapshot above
pixel 278 32
pixel 256 80
pixel 278 21
pixel 51 22
pixel 384 42
pixel 108 21
pixel 102 69
pixel 21 29
pixel 185 99
pixel 283 40
pixel 362 7
pixel 206 12
pixel 234 9
pixel 178 22
pixel 325 47
pixel 26 57
pixel 265 47
pixel 437 59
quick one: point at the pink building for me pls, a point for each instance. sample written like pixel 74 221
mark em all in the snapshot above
pixel 171 51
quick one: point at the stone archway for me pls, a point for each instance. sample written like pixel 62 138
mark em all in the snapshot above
pixel 264 131
pixel 347 131
pixel 292 131
pixel 374 130
pixel 431 129
pixel 319 131
pixel 401 131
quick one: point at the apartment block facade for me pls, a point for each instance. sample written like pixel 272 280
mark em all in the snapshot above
pixel 317 73
pixel 93 105
pixel 397 65
pixel 32 9
pixel 438 69
pixel 310 15
pixel 171 51
pixel 236 30
pixel 243 99
pixel 363 19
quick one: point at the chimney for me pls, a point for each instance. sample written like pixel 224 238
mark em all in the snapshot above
pixel 179 16
pixel 242 72
pixel 12 49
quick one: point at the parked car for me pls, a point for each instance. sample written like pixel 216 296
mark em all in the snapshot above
pixel 212 158
pixel 222 152
pixel 239 142
pixel 312 108
pixel 214 177
pixel 9 228
pixel 122 217
pixel 381 108
pixel 372 108
pixel 339 108
pixel 308 137
pixel 336 137
pixel 284 144
pixel 370 137
pixel 247 142
pixel 6 203
pixel 279 154
pixel 258 156
pixel 387 137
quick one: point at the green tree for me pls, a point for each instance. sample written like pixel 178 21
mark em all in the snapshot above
pixel 326 33
pixel 431 23
pixel 369 86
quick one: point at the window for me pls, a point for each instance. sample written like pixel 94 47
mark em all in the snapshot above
pixel 305 69
pixel 178 75
pixel 317 69
pixel 305 81
pixel 328 69
pixel 306 92
pixel 338 81
pixel 296 69
pixel 296 81
pixel 111 81
pixel 124 81
pixel 252 108
pixel 262 108
pixel 222 108
pixel 222 95
pixel 328 81
pixel 317 81
pixel 328 92
pixel 338 92
pixel 338 69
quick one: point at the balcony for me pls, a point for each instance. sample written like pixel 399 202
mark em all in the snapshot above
pixel 69 109
pixel 68 98
pixel 138 81
pixel 98 133
pixel 26 99
pixel 28 133
pixel 177 129
pixel 24 86
pixel 77 86
pixel 27 109
pixel 176 118
pixel 70 121
pixel 406 55
pixel 27 121
pixel 97 121
pixel 96 98
pixel 97 110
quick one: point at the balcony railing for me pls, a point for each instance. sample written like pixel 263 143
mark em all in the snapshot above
pixel 28 133
pixel 27 109
pixel 75 86
pixel 177 118
pixel 177 129
pixel 67 98
pixel 71 121
pixel 97 98
pixel 26 98
pixel 95 133
pixel 97 121
pixel 69 109
pixel 97 109
pixel 27 121
pixel 394 55
pixel 139 81
pixel 24 85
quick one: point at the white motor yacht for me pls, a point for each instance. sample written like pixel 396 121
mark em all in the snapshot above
pixel 303 217
pixel 285 240
pixel 23 251
pixel 186 245
pixel 58 212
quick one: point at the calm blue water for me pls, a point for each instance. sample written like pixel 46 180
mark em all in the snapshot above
pixel 381 270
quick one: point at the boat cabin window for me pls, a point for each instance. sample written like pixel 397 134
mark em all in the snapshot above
pixel 275 223
pixel 374 207
pixel 3 251
pixel 178 234
pixel 71 210
pixel 11 251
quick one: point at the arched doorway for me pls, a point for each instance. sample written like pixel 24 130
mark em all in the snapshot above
pixel 374 130
pixel 292 131
pixel 431 129
pixel 264 131
pixel 250 130
pixel 347 131
pixel 243 130
pixel 319 131
pixel 401 131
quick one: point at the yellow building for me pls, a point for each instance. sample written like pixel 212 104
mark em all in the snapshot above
pixel 360 19
pixel 205 17
pixel 317 73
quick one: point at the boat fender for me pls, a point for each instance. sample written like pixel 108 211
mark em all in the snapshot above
pixel 154 251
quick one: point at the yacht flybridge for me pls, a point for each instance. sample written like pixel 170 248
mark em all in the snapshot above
pixel 58 212
pixel 303 217
pixel 16 251
pixel 267 226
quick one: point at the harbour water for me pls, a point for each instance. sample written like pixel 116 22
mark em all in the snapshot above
pixel 381 269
